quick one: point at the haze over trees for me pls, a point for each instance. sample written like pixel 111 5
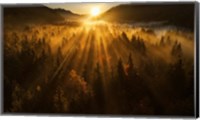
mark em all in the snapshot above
pixel 95 67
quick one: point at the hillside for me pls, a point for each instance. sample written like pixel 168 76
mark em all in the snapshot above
pixel 35 14
pixel 67 14
pixel 175 14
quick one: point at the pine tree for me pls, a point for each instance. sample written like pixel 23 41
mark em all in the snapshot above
pixel 177 77
pixel 176 50
pixel 162 41
pixel 98 89
pixel 59 56
pixel 124 37
pixel 120 70
pixel 85 73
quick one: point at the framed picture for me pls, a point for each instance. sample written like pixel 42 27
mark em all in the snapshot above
pixel 101 59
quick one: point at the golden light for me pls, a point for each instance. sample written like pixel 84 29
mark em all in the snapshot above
pixel 95 11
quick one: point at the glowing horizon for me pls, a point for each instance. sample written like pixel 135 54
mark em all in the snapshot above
pixel 83 8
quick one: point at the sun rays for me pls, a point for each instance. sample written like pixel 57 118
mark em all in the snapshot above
pixel 91 51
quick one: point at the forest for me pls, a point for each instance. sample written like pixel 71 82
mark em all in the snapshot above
pixel 98 68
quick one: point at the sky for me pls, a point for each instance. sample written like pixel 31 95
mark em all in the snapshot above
pixel 83 8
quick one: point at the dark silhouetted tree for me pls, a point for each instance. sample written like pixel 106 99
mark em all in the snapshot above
pixel 162 41
pixel 138 44
pixel 124 37
pixel 120 70
pixel 59 56
pixel 98 89
pixel 85 73
pixel 132 75
pixel 176 50
pixel 177 77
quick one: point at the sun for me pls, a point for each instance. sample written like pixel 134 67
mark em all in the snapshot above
pixel 95 11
